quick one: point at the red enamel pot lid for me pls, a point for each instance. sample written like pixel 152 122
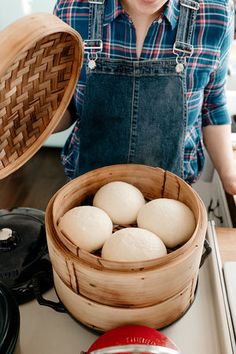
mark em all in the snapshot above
pixel 133 338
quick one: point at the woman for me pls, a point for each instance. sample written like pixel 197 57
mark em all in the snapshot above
pixel 152 86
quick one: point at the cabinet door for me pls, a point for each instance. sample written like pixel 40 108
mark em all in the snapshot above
pixel 218 208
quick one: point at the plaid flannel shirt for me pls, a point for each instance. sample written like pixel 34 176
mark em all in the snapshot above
pixel 206 68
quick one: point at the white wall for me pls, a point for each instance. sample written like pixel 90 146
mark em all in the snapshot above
pixel 10 10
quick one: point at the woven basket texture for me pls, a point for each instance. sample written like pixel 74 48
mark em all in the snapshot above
pixel 31 91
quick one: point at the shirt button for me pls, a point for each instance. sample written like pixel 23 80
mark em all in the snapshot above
pixel 159 20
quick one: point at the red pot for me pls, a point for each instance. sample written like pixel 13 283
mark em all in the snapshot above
pixel 133 339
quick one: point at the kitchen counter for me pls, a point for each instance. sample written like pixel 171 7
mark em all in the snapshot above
pixel 226 238
pixel 46 331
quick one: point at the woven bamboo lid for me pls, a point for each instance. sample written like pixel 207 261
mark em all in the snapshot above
pixel 40 62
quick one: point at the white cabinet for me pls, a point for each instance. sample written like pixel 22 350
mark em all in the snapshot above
pixel 213 196
pixel 209 188
pixel 218 208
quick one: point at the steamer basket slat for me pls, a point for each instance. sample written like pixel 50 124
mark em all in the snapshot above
pixel 85 281
pixel 40 62
pixel 103 318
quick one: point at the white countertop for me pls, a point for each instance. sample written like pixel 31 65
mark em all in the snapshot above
pixel 203 329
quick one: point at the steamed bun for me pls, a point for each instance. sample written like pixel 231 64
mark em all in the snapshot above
pixel 133 244
pixel 170 219
pixel 87 227
pixel 120 200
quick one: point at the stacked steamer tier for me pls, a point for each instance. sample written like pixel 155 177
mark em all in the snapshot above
pixel 105 294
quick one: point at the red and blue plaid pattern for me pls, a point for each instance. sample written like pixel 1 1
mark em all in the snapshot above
pixel 206 68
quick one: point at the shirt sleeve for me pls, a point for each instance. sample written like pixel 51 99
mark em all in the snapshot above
pixel 66 11
pixel 59 9
pixel 214 110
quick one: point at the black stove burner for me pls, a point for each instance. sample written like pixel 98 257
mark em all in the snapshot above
pixel 24 253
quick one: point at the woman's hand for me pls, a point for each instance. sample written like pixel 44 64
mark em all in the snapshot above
pixel 64 123
pixel 217 139
pixel 229 181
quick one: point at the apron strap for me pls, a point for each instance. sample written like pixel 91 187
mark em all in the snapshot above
pixel 182 46
pixel 93 45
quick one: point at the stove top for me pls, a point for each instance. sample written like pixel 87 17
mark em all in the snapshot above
pixel 23 253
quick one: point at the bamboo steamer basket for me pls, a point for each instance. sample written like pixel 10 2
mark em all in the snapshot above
pixel 40 62
pixel 105 294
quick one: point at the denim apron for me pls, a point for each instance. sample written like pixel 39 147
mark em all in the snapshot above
pixel 135 111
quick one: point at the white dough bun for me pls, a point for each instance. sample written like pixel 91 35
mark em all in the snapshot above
pixel 121 201
pixel 170 219
pixel 133 244
pixel 86 226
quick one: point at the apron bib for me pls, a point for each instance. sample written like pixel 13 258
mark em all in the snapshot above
pixel 135 112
